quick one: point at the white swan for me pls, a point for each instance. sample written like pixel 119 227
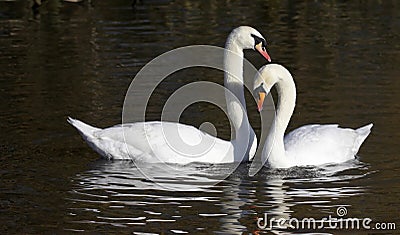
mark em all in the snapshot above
pixel 147 141
pixel 309 144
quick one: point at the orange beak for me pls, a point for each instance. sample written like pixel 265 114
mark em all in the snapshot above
pixel 262 51
pixel 260 101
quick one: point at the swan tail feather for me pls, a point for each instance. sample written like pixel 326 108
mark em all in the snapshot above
pixel 84 129
pixel 104 145
pixel 362 133
pixel 88 134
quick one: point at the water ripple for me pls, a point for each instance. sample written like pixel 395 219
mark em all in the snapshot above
pixel 116 194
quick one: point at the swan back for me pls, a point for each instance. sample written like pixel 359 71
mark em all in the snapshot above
pixel 321 144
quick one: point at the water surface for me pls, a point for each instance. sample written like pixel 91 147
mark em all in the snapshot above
pixel 79 59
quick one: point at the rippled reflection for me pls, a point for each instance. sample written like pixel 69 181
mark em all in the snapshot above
pixel 195 177
pixel 116 194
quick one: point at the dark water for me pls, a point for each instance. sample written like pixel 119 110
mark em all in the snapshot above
pixel 78 59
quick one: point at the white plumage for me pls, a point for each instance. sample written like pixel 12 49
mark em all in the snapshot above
pixel 148 142
pixel 307 145
pixel 321 144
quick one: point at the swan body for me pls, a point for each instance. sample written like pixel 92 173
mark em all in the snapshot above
pixel 310 144
pixel 145 142
pixel 148 141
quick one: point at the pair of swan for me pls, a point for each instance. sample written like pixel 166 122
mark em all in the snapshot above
pixel 307 145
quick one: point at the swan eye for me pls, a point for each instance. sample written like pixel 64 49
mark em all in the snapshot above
pixel 258 40
pixel 259 89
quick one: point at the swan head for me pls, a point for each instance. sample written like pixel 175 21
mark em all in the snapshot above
pixel 266 77
pixel 249 38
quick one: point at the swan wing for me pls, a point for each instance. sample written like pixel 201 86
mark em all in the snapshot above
pixel 156 142
pixel 322 144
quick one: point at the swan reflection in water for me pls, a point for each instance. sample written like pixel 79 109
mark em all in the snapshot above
pixel 118 194
pixel 290 193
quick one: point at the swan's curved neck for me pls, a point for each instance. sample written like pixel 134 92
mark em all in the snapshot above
pixel 233 63
pixel 286 102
